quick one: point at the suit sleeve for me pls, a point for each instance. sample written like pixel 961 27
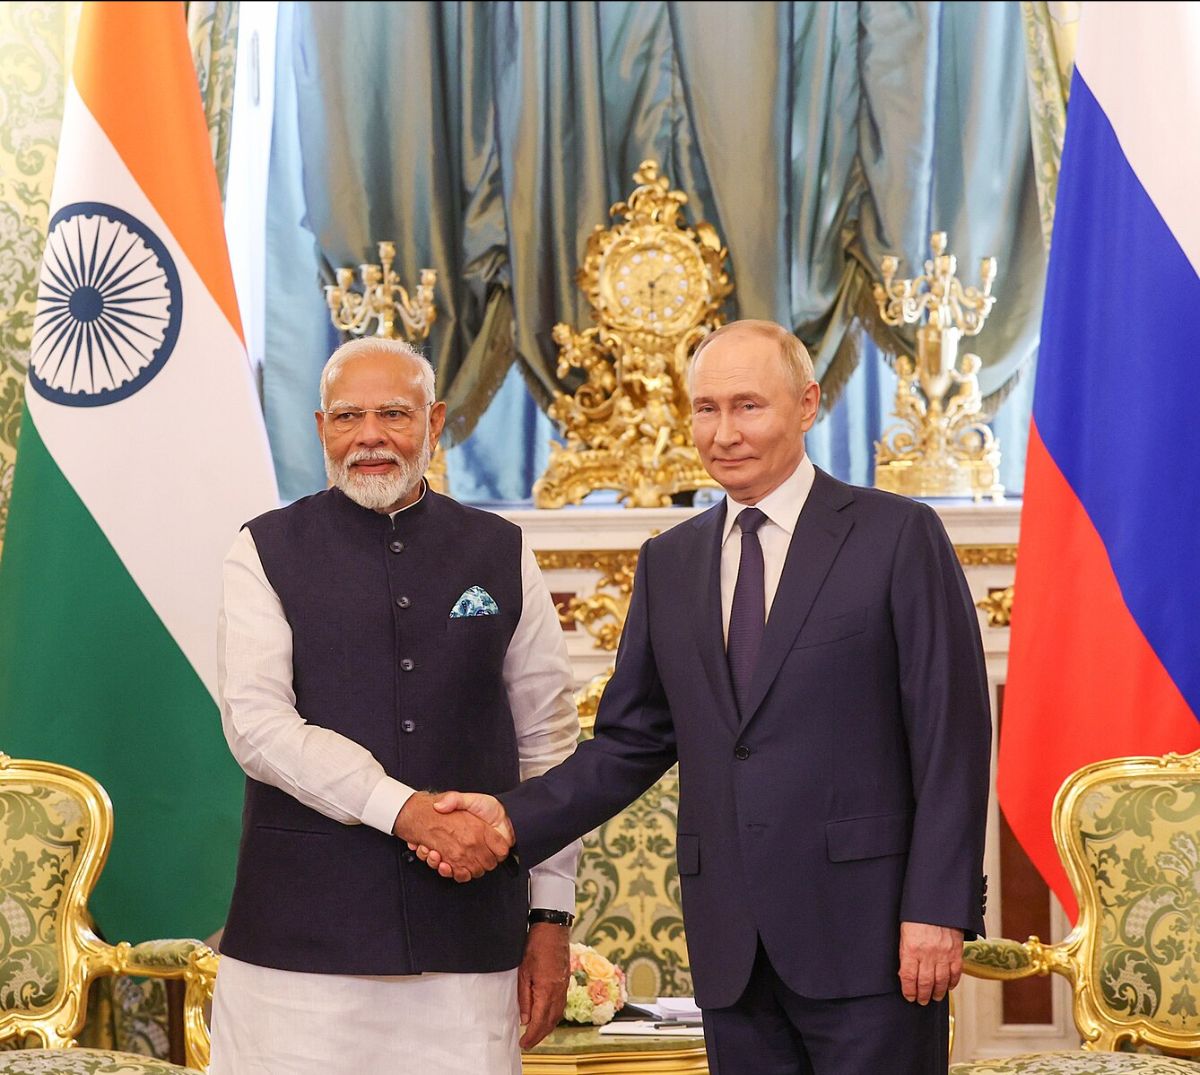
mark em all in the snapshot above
pixel 944 700
pixel 633 745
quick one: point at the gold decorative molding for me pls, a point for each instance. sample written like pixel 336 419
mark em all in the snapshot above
pixel 606 560
pixel 601 614
pixel 997 605
pixel 655 286
pixel 986 555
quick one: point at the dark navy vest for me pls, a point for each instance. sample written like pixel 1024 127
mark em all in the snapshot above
pixel 377 657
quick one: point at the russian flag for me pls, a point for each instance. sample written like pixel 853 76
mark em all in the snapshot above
pixel 1105 652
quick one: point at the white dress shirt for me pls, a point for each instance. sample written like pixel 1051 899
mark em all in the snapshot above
pixel 782 508
pixel 336 776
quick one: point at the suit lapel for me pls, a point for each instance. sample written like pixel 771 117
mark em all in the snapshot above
pixel 820 531
pixel 706 619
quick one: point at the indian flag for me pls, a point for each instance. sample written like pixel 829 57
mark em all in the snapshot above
pixel 142 451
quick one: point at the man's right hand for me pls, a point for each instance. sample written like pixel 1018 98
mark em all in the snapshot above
pixel 471 844
pixel 487 808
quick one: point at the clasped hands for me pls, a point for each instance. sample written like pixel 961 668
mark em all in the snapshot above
pixel 461 835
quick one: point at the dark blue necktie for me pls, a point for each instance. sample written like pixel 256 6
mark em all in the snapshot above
pixel 748 615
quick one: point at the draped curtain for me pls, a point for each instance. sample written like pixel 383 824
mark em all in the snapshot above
pixel 33 42
pixel 1050 32
pixel 212 34
pixel 489 139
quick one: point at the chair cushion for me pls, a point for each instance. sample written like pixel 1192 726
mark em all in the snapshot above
pixel 1078 1062
pixel 85 1062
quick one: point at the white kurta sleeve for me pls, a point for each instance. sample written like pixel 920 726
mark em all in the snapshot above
pixel 271 741
pixel 537 675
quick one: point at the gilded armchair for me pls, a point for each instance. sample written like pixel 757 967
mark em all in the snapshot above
pixel 56 827
pixel 1128 832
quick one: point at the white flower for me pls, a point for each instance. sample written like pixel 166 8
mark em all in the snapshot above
pixel 603 1013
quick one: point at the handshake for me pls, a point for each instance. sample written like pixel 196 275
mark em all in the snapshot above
pixel 459 834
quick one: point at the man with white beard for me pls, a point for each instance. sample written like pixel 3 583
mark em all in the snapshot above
pixel 378 642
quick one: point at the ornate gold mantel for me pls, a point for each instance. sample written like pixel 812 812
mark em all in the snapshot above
pixel 655 286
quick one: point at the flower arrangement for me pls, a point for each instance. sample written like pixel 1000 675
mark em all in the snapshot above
pixel 595 989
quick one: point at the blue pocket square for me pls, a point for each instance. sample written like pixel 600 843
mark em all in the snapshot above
pixel 475 602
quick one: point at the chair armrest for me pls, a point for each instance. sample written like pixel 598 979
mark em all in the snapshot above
pixel 1007 960
pixel 196 964
pixel 161 959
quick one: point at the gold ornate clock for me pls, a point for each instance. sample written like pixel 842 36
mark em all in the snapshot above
pixel 655 286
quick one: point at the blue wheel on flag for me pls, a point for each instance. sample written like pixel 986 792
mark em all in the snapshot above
pixel 109 307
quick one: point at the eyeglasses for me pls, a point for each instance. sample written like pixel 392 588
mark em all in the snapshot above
pixel 348 419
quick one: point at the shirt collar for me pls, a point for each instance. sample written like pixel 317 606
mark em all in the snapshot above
pixel 424 487
pixel 782 505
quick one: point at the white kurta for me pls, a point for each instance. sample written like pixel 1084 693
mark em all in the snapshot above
pixel 280 1022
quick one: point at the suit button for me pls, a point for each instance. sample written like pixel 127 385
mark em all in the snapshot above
pixel 397 546
pixel 742 753
pixel 409 725
pixel 403 602
pixel 407 665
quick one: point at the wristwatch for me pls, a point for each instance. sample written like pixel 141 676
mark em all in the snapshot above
pixel 555 918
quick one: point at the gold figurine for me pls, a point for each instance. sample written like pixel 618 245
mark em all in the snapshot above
pixel 940 446
pixel 655 286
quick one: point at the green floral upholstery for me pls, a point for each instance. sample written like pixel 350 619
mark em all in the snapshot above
pixel 1141 842
pixel 41 832
pixel 628 905
pixel 1128 831
pixel 86 1062
pixel 128 1015
pixel 1078 1062
pixel 55 831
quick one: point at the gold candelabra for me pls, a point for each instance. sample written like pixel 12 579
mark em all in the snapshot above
pixel 940 445
pixel 382 298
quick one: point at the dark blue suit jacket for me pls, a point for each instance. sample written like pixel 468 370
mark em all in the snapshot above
pixel 851 796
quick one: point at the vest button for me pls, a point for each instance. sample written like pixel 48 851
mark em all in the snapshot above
pixel 742 753
pixel 403 602
pixel 409 856
pixel 407 665
pixel 397 546
pixel 409 725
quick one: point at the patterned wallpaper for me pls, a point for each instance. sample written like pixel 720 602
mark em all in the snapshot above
pixel 32 45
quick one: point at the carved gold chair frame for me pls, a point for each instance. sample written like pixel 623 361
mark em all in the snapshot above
pixel 1166 787
pixel 80 955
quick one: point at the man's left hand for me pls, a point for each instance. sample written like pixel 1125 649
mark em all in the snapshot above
pixel 542 981
pixel 930 960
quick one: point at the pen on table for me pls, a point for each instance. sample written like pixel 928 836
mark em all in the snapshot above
pixel 677 1022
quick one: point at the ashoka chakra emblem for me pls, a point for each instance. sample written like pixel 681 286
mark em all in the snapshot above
pixel 109 307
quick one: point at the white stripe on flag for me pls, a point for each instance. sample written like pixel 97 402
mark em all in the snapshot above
pixel 1142 63
pixel 171 471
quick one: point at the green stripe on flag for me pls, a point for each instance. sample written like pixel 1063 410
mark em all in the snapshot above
pixel 90 677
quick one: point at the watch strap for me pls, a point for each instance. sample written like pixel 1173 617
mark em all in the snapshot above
pixel 546 914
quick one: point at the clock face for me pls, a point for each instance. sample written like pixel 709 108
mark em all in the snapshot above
pixel 657 283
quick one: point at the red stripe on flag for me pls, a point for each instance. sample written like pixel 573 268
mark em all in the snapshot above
pixel 1083 683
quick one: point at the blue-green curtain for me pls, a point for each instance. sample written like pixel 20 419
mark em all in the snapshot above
pixel 489 139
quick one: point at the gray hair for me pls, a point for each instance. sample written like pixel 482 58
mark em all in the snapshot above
pixel 794 355
pixel 373 345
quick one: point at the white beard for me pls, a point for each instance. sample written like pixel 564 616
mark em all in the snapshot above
pixel 378 492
